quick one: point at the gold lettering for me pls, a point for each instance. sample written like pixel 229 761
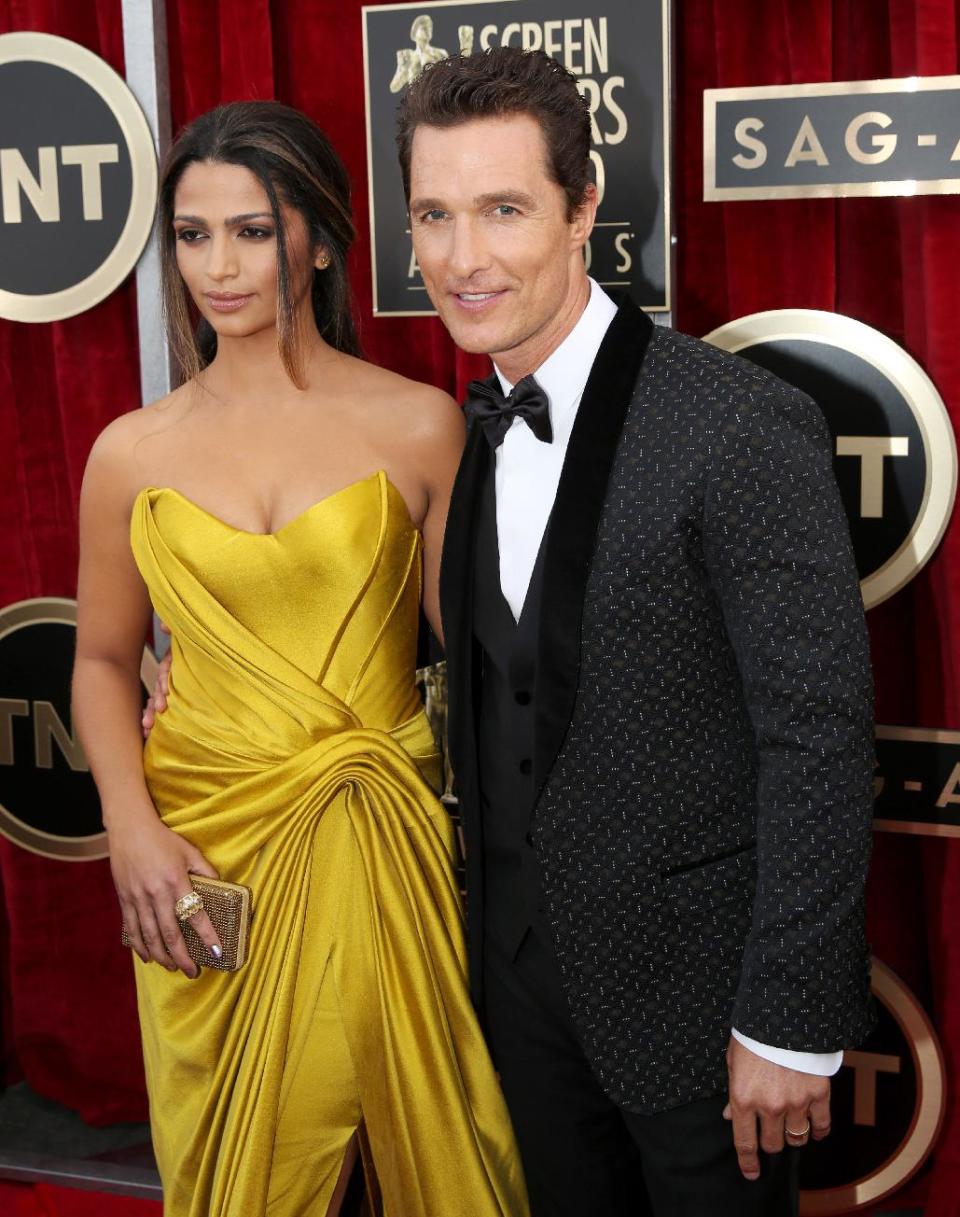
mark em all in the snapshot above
pixel 866 1066
pixel 626 262
pixel 47 726
pixel 618 134
pixel 44 196
pixel 487 35
pixel 10 708
pixel 532 36
pixel 951 792
pixel 551 38
pixel 412 269
pixel 571 46
pixel 871 449
pixel 90 157
pixel 806 147
pixel 596 47
pixel 744 134
pixel 508 32
pixel 884 144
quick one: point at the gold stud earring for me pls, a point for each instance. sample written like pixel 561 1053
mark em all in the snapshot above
pixel 323 261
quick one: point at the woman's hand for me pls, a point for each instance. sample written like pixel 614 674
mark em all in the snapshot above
pixel 157 702
pixel 151 867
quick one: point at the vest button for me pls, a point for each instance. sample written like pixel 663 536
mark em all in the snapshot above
pixel 526 765
pixel 522 697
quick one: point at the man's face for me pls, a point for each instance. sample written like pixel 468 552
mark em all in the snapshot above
pixel 499 258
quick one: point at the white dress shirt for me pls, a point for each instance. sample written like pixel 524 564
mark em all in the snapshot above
pixel 527 474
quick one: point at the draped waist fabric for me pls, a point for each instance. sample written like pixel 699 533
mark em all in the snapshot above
pixel 295 755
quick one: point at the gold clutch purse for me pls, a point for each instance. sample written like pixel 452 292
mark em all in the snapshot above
pixel 230 909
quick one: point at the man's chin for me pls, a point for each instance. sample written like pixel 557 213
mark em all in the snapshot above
pixel 477 339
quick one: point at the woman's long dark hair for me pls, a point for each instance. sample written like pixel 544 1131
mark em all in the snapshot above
pixel 295 163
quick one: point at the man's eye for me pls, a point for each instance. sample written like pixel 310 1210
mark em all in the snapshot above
pixel 504 209
pixel 189 235
pixel 433 216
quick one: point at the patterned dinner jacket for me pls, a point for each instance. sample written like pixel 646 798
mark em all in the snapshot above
pixel 703 750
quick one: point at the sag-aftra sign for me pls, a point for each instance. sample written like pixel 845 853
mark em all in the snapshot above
pixel 78 178
pixel 861 137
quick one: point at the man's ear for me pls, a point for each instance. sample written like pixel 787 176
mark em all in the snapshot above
pixel 581 225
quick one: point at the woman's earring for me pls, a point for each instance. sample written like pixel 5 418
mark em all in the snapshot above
pixel 323 261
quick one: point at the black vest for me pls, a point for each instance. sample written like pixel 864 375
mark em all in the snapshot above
pixel 505 737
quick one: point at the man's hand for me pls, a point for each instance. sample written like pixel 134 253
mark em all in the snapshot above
pixel 157 703
pixel 788 1106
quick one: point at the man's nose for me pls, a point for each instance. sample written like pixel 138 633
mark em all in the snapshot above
pixel 469 253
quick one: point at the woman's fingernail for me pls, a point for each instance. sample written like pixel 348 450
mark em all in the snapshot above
pixel 216 952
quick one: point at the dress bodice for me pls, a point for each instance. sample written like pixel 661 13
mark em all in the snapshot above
pixel 318 619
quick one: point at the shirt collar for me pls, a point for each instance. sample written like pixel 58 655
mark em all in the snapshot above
pixel 563 374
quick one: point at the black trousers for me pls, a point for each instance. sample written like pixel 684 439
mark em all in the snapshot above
pixel 582 1155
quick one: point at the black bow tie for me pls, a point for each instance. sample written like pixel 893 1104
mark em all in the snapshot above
pixel 495 413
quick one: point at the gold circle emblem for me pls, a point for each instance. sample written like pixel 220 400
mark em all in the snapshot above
pixel 917 392
pixel 113 91
pixel 928 1112
pixel 53 610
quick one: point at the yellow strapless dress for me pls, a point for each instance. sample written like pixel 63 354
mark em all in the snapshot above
pixel 295 755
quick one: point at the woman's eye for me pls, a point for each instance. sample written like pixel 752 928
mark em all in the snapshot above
pixel 256 234
pixel 188 235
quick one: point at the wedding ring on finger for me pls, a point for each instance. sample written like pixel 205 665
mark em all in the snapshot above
pixel 188 906
pixel 798 1136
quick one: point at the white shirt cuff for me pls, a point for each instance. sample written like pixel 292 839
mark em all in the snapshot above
pixel 823 1064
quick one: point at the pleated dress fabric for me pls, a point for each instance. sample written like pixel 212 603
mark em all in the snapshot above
pixel 296 756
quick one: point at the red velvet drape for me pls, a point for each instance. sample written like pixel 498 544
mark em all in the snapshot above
pixel 69 1022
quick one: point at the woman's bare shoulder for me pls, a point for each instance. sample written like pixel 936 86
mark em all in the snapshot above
pixel 114 452
pixel 420 410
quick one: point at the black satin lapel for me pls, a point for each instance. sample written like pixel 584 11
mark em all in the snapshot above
pixel 573 526
pixel 456 600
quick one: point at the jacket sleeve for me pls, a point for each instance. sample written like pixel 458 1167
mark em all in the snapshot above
pixel 779 558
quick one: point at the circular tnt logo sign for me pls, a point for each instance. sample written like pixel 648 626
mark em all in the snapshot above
pixel 887 1108
pixel 78 178
pixel 48 802
pixel 895 456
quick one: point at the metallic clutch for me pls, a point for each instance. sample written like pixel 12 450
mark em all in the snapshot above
pixel 229 907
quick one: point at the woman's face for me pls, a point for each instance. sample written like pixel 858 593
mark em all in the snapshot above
pixel 227 248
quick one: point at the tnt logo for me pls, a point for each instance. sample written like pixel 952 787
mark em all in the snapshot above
pixel 44 194
pixel 77 178
pixel 895 456
pixel 887 1105
pixel 48 802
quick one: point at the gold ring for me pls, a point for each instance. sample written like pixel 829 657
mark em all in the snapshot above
pixel 188 906
pixel 802 1133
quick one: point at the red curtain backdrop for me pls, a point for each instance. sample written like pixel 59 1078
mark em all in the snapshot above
pixel 68 1013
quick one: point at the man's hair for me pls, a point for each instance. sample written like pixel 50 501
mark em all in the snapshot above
pixel 504 80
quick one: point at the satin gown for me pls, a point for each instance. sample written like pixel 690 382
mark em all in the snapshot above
pixel 295 755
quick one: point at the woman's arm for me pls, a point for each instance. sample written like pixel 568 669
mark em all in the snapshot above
pixel 150 863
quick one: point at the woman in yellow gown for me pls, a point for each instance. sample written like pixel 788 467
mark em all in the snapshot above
pixel 282 511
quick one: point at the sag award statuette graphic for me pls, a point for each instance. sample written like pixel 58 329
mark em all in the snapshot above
pixel 617 51
pixel 78 178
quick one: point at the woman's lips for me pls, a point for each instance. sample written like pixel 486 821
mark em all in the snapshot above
pixel 227 303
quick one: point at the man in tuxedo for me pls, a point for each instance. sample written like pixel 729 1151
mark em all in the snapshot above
pixel 660 695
